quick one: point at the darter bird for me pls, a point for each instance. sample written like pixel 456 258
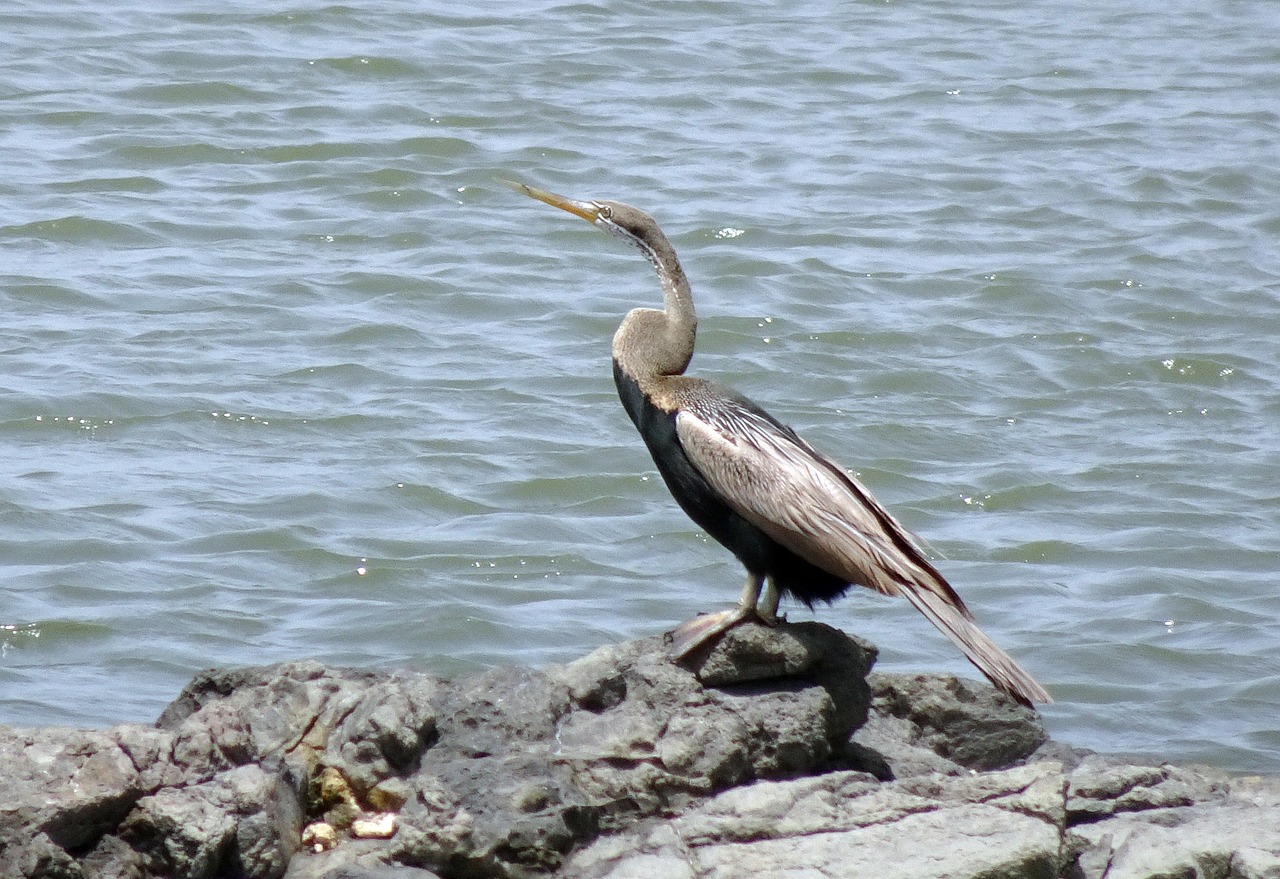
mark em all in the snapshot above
pixel 799 523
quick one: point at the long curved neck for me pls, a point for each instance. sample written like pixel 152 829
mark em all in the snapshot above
pixel 652 343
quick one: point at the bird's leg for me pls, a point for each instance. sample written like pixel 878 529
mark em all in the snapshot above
pixel 691 635
pixel 767 609
pixel 751 591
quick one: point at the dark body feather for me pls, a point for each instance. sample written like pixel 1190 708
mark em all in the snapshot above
pixel 758 552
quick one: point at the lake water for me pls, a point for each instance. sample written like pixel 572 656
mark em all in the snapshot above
pixel 287 374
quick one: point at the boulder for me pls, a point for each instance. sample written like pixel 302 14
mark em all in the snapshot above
pixel 1006 823
pixel 526 765
pixel 1134 822
pixel 774 753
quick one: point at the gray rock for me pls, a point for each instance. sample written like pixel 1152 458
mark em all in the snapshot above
pixel 314 869
pixel 245 821
pixel 230 717
pixel 66 789
pixel 526 765
pixel 767 755
pixel 1104 786
pixel 383 734
pixel 90 782
pixel 1165 821
pixel 939 723
pixel 355 860
pixel 1006 823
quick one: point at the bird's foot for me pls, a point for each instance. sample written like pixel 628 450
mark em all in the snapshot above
pixel 770 618
pixel 689 636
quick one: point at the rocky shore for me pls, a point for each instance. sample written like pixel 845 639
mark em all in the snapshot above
pixel 775 754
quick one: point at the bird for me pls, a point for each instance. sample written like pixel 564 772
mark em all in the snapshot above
pixel 801 525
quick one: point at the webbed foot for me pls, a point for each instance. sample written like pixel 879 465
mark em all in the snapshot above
pixel 702 629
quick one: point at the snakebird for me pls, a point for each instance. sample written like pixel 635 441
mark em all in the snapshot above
pixel 800 524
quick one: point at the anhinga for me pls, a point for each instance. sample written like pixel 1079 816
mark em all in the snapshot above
pixel 799 523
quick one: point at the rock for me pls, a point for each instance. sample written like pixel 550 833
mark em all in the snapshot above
pixel 762 653
pixel 89 783
pixel 319 836
pixel 1132 822
pixel 769 754
pixel 229 717
pixel 65 790
pixel 939 723
pixel 1005 823
pixel 377 826
pixel 1102 787
pixel 356 860
pixel 245 820
pixel 384 733
pixel 528 764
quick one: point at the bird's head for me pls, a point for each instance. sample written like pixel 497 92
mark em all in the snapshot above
pixel 628 223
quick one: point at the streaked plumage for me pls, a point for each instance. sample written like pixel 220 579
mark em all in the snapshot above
pixel 797 521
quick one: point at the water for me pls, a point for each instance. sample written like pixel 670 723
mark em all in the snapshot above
pixel 287 374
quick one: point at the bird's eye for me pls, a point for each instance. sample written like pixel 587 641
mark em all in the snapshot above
pixel 606 212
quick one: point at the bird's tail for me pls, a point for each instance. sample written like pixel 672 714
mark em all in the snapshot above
pixel 993 662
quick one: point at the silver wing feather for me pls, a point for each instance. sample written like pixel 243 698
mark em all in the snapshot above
pixel 806 502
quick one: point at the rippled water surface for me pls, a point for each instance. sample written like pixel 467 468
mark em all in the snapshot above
pixel 286 374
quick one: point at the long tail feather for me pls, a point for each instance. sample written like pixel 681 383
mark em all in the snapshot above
pixel 993 662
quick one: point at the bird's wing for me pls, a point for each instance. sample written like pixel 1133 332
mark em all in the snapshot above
pixel 803 500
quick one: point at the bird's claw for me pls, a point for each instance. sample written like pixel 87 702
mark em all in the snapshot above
pixel 772 620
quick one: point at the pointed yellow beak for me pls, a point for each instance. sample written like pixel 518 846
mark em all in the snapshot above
pixel 589 211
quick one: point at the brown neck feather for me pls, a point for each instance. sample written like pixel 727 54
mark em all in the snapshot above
pixel 650 343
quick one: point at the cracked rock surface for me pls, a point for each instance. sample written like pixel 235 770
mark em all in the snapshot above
pixel 774 754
